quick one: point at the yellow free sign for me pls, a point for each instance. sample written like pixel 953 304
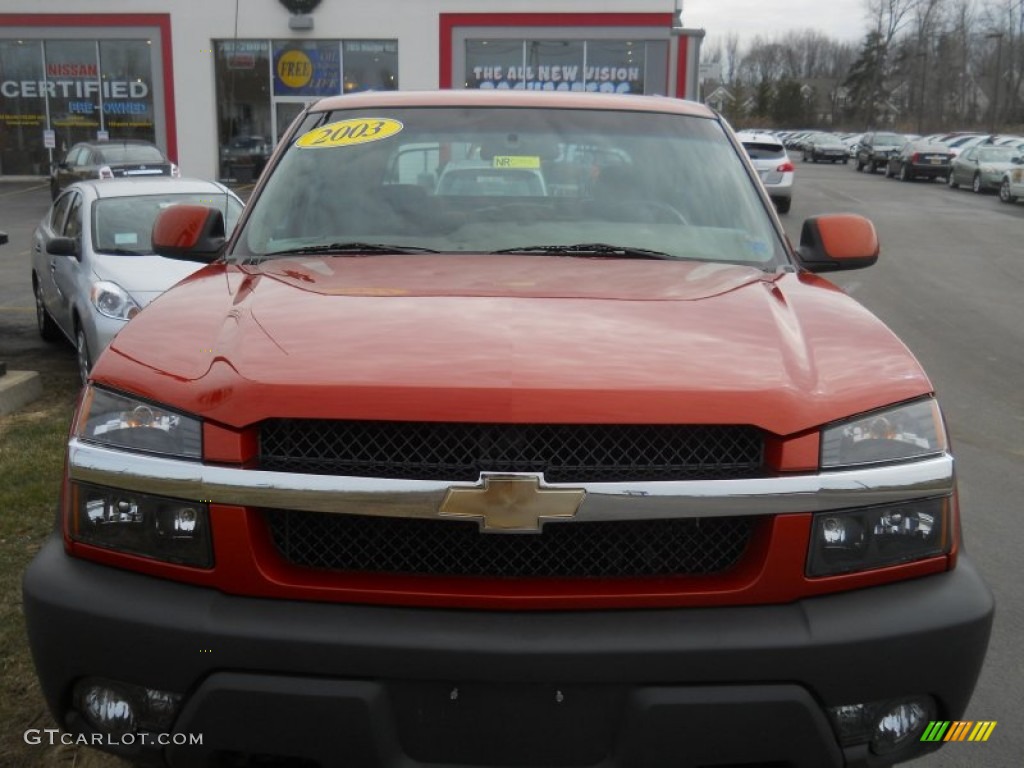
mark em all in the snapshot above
pixel 515 161
pixel 294 69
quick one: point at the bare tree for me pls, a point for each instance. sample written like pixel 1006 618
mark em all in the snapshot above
pixel 889 17
pixel 922 65
pixel 926 18
pixel 732 57
pixel 1002 57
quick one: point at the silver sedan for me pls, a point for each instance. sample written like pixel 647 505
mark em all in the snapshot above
pixel 93 267
pixel 981 168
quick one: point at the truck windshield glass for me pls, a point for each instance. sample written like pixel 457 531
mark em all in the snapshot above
pixel 476 180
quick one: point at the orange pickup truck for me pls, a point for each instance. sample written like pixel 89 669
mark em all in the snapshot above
pixel 596 473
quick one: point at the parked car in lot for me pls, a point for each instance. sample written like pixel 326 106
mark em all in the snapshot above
pixel 795 140
pixel 589 479
pixel 93 264
pixel 1011 186
pixel 981 168
pixel 825 148
pixel 875 149
pixel 920 160
pixel 771 161
pixel 127 158
pixel 486 177
pixel 244 157
pixel 853 144
pixel 961 142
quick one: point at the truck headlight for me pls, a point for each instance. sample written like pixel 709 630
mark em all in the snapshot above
pixel 908 431
pixel 122 421
pixel 172 530
pixel 875 537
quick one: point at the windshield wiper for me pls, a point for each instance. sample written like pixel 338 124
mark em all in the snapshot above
pixel 348 248
pixel 590 249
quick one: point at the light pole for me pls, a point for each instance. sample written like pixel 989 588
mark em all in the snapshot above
pixel 998 37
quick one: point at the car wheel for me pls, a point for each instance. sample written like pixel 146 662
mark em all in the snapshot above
pixel 48 329
pixel 858 166
pixel 976 184
pixel 1004 192
pixel 845 160
pixel 904 174
pixel 951 181
pixel 82 349
pixel 782 204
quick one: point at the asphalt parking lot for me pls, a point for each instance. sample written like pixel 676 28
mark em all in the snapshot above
pixel 22 204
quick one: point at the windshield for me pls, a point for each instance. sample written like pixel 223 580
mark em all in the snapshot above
pixel 998 154
pixel 131 153
pixel 760 150
pixel 485 179
pixel 889 138
pixel 124 225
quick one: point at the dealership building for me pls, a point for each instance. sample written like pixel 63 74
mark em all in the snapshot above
pixel 201 78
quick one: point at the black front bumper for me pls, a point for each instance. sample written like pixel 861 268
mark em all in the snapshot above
pixel 348 685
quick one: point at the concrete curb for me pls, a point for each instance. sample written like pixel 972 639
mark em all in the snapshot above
pixel 18 388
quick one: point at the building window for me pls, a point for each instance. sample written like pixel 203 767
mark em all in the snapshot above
pixel 79 89
pixel 371 65
pixel 244 122
pixel 262 85
pixel 606 66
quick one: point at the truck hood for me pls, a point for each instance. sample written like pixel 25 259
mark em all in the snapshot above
pixel 530 339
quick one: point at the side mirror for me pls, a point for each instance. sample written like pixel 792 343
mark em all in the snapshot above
pixel 189 233
pixel 63 246
pixel 837 242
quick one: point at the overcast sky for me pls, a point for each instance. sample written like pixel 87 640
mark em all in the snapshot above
pixel 839 19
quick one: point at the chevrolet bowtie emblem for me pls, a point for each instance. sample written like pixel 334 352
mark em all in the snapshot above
pixel 512 504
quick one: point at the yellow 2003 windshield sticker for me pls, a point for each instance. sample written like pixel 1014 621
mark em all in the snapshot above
pixel 345 133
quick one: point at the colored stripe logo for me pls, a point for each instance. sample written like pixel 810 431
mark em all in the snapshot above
pixel 958 730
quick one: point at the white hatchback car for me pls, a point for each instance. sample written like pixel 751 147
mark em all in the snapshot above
pixel 773 165
pixel 93 265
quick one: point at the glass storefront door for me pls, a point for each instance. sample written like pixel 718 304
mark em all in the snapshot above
pixel 284 113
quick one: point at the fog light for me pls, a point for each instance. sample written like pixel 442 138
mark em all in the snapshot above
pixel 120 708
pixel 901 724
pixel 107 708
pixel 886 725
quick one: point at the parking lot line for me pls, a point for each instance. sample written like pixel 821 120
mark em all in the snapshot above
pixel 22 190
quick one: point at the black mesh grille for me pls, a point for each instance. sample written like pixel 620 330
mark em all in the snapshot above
pixel 607 549
pixel 567 453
